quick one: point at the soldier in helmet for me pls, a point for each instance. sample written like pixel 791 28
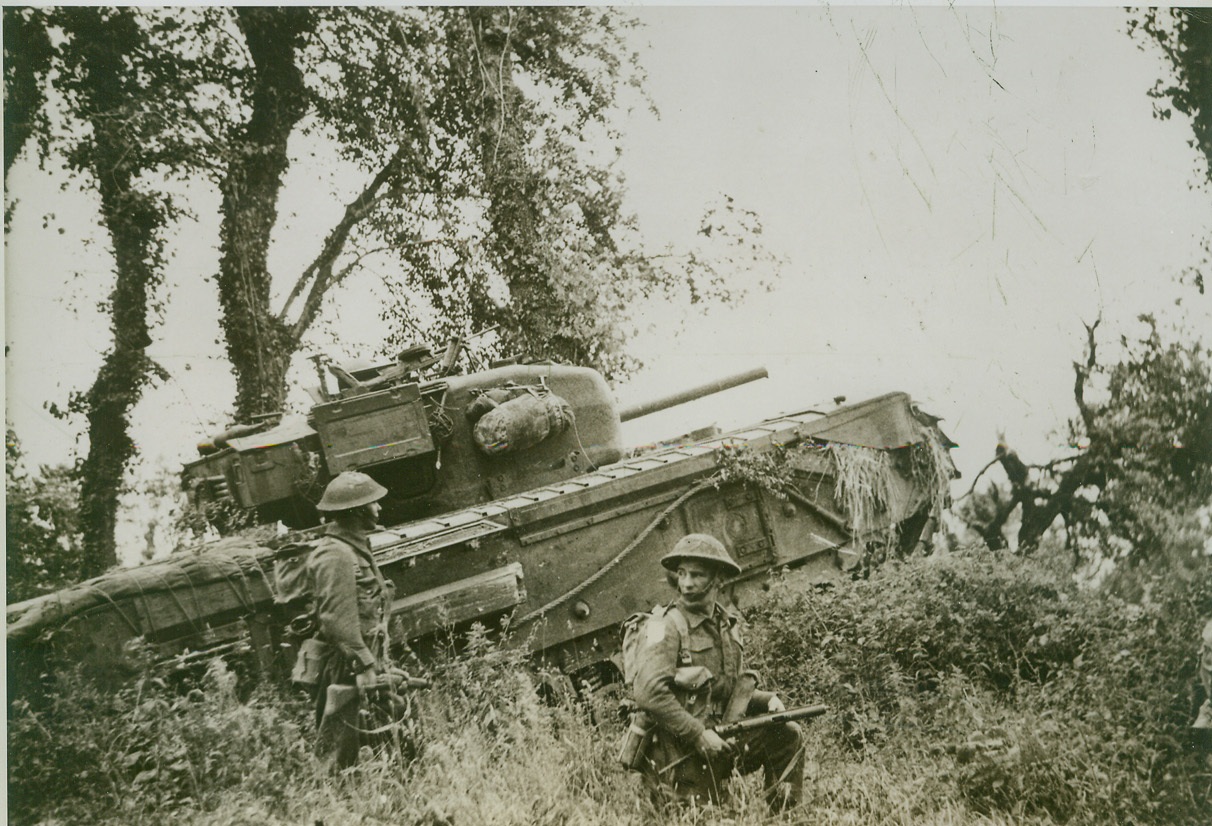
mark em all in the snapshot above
pixel 688 671
pixel 352 601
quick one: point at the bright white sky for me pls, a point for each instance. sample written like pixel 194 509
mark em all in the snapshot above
pixel 954 191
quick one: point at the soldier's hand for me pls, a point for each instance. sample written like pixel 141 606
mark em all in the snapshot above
pixel 369 680
pixel 711 744
pixel 775 705
pixel 401 680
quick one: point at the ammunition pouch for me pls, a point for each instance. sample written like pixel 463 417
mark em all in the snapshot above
pixel 691 677
pixel 309 662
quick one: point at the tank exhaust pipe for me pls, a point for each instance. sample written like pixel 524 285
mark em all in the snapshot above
pixel 674 399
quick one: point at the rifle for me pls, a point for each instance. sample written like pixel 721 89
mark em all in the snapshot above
pixel 399 679
pixel 755 723
pixel 391 683
pixel 774 718
pixel 639 733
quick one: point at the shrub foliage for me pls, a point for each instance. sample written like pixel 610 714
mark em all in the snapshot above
pixel 1049 699
pixel 963 688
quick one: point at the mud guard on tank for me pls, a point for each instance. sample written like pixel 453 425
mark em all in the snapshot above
pixel 461 601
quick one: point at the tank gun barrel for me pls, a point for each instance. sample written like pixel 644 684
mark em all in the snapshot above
pixel 635 411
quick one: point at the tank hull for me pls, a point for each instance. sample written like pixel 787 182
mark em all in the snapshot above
pixel 558 566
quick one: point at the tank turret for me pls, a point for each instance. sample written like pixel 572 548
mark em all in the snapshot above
pixel 436 441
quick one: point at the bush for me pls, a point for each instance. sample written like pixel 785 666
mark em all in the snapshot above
pixel 1032 701
pixel 193 752
pixel 42 527
pixel 87 754
pixel 1050 700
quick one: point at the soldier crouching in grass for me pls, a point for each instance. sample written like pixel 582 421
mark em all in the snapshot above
pixel 688 678
pixel 352 604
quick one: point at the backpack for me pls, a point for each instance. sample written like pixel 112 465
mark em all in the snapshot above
pixel 638 627
pixel 291 583
pixel 633 753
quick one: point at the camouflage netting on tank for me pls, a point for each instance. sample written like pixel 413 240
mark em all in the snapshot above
pixel 933 468
pixel 766 470
pixel 869 480
pixel 867 477
pixel 234 561
pixel 866 482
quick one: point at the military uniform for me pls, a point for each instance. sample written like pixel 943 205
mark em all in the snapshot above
pixel 352 601
pixel 687 691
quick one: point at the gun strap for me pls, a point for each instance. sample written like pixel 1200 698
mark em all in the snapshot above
pixel 683 628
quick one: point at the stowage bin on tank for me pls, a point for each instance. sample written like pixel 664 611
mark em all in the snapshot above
pixel 546 525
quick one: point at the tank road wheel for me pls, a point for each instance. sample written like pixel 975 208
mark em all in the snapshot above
pixel 555 688
pixel 601 691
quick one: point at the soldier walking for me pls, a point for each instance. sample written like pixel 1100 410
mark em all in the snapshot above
pixel 688 676
pixel 352 602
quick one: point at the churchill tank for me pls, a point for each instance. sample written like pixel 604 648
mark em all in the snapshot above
pixel 512 503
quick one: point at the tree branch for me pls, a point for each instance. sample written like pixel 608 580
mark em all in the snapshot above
pixel 1055 463
pixel 319 272
pixel 977 478
pixel 1081 373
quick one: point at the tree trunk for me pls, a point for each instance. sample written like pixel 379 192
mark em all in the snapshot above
pixel 27 52
pixel 512 207
pixel 1058 503
pixel 133 220
pixel 259 344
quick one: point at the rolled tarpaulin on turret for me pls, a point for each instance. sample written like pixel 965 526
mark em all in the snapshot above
pixel 522 423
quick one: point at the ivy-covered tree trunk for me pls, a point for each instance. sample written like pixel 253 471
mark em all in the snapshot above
pixel 133 221
pixel 259 344
pixel 27 52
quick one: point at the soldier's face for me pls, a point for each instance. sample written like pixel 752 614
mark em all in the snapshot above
pixel 697 582
pixel 368 516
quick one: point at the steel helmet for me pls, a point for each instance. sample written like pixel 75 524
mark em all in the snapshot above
pixel 703 547
pixel 349 490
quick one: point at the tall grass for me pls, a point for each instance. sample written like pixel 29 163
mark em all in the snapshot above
pixel 968 689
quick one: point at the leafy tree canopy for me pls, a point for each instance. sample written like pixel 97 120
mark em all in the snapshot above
pixel 473 150
pixel 470 154
pixel 42 530
pixel 1185 39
